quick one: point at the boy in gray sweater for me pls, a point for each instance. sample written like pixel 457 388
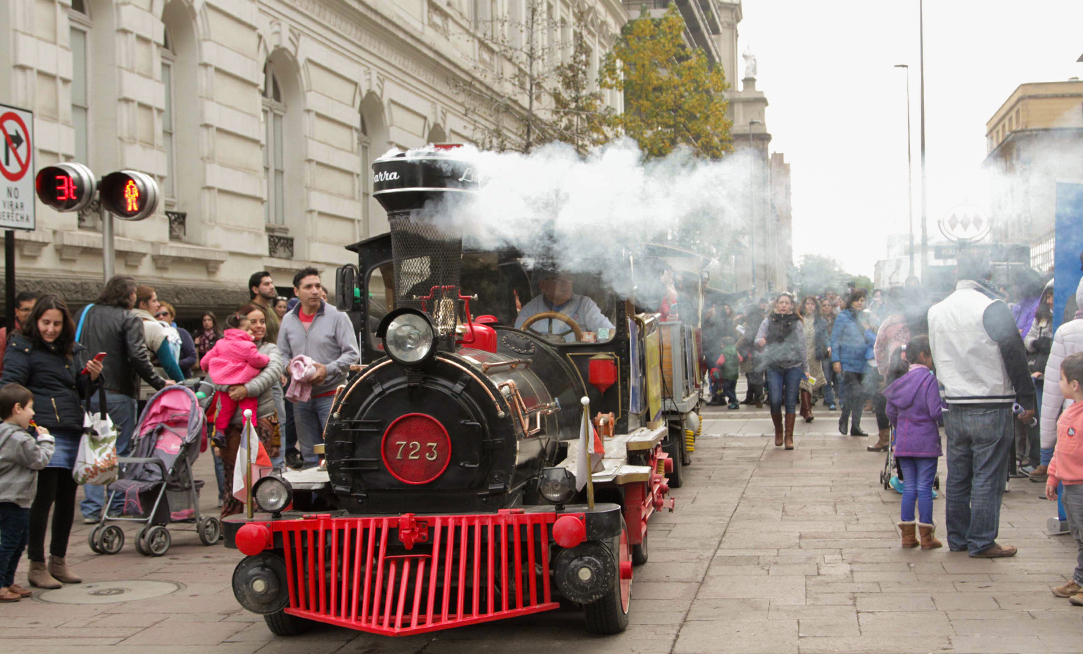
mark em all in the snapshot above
pixel 21 456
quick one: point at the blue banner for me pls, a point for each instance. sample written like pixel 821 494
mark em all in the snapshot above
pixel 1067 267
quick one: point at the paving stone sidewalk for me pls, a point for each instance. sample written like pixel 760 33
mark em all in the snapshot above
pixel 768 551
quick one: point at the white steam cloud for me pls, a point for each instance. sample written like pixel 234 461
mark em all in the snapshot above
pixel 582 213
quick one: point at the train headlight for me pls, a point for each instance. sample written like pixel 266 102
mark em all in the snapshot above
pixel 409 337
pixel 272 494
pixel 557 485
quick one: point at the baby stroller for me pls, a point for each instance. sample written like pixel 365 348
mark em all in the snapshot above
pixel 891 476
pixel 157 481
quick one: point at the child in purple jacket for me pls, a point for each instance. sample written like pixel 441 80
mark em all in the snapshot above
pixel 914 408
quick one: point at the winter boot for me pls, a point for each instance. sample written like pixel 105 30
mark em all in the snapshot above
pixel 806 406
pixel 790 417
pixel 882 442
pixel 908 529
pixel 776 417
pixel 58 568
pixel 39 576
pixel 928 537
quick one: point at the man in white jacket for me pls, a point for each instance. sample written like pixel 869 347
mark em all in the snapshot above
pixel 1067 340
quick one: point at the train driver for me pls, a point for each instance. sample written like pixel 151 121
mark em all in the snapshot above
pixel 556 295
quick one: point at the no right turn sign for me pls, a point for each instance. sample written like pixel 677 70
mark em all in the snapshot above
pixel 16 168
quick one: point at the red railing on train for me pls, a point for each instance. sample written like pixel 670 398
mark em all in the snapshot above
pixel 454 572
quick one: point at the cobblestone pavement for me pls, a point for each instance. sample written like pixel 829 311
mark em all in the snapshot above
pixel 768 551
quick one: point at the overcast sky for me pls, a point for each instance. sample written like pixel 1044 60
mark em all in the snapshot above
pixel 838 107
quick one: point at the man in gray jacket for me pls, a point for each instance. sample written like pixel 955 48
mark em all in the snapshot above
pixel 982 365
pixel 321 332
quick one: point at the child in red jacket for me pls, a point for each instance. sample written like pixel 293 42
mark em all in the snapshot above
pixel 1067 468
pixel 233 361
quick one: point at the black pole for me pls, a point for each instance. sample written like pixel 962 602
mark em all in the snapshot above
pixel 9 277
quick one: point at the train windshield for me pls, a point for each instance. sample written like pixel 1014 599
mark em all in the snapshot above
pixel 517 297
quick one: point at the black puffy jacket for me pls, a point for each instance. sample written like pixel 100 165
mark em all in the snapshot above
pixel 56 382
pixel 119 333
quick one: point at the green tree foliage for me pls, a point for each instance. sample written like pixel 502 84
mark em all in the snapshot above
pixel 580 116
pixel 816 273
pixel 672 97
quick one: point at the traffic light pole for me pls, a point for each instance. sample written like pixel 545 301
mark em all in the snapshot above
pixel 9 278
pixel 108 246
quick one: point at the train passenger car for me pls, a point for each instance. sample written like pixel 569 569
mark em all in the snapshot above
pixel 453 487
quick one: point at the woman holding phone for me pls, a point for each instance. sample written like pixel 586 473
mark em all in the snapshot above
pixel 45 358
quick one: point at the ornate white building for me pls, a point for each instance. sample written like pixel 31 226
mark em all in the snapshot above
pixel 258 118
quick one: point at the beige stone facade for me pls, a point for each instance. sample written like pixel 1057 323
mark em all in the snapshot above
pixel 1034 139
pixel 258 118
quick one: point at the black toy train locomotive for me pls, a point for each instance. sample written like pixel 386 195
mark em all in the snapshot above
pixel 448 494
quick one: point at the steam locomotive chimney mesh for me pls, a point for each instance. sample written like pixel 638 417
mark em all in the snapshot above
pixel 428 261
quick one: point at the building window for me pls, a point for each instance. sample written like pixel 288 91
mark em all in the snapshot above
pixel 363 145
pixel 274 168
pixel 169 188
pixel 80 24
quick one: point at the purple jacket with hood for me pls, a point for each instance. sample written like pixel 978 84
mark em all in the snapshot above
pixel 914 407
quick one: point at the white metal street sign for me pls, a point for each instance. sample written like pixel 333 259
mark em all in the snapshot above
pixel 16 168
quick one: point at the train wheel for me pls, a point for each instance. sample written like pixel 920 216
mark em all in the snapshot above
pixel 609 615
pixel 283 624
pixel 641 552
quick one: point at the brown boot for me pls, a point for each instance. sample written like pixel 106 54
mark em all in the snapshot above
pixel 789 430
pixel 776 417
pixel 59 569
pixel 39 576
pixel 882 441
pixel 928 536
pixel 908 539
pixel 806 406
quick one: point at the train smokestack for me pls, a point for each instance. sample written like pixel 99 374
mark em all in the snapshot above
pixel 417 189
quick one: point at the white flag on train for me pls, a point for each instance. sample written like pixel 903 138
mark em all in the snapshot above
pixel 590 452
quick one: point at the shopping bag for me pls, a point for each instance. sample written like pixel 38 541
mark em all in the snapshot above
pixel 96 461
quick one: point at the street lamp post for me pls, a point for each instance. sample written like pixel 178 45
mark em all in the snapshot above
pixel 924 231
pixel 751 204
pixel 909 168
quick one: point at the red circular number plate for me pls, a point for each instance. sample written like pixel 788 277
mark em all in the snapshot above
pixel 416 448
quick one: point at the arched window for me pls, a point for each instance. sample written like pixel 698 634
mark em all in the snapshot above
pixel 79 21
pixel 169 185
pixel 364 144
pixel 274 160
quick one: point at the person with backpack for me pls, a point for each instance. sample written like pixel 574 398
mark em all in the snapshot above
pixel 108 326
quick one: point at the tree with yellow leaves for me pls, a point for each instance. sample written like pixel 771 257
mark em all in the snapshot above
pixel 672 97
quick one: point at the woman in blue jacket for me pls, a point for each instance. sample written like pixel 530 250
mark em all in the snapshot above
pixel 850 343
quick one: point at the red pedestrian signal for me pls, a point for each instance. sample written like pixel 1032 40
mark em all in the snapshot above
pixel 66 186
pixel 129 194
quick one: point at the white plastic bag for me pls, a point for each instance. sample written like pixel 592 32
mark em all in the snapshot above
pixel 96 462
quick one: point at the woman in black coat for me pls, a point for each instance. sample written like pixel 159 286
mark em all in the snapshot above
pixel 45 358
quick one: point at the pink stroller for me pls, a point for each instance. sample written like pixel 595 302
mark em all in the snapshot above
pixel 157 483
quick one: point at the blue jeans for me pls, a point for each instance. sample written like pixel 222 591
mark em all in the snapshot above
pixel 783 384
pixel 918 474
pixel 979 444
pixel 729 390
pixel 14 534
pixel 123 411
pixel 220 477
pixel 1072 495
pixel 831 379
pixel 309 419
pixel 853 399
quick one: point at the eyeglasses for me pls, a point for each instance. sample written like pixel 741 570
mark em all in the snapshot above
pixel 162 314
